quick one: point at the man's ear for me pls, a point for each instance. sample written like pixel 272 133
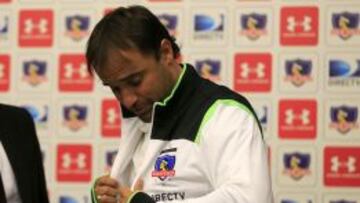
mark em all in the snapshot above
pixel 166 52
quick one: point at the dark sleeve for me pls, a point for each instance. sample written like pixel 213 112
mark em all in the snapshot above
pixel 39 188
pixel 140 197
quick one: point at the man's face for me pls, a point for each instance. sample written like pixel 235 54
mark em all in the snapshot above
pixel 137 80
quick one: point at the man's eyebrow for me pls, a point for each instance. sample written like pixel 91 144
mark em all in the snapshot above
pixel 107 83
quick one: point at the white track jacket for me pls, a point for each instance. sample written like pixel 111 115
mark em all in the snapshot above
pixel 206 146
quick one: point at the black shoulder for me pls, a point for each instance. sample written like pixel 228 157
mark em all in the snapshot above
pixel 12 113
pixel 213 92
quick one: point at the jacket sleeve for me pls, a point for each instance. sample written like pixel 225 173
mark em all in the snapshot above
pixel 236 155
pixel 39 189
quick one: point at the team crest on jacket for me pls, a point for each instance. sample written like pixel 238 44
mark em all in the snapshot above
pixel 164 167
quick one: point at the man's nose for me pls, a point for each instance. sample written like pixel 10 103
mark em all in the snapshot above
pixel 127 98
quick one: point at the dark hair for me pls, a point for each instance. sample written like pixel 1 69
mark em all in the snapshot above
pixel 127 28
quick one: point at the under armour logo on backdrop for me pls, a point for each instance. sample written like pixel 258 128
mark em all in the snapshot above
pixel 258 70
pixel 78 161
pixel 32 26
pixel 342 166
pixel 252 72
pixel 36 28
pixel 297 119
pixel 74 162
pixel 110 118
pixel 303 117
pixel 304 24
pixel 73 74
pixel 299 26
pixel 348 164
pixel 71 71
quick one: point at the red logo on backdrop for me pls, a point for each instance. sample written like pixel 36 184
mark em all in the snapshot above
pixel 36 28
pixel 73 74
pixel 299 26
pixel 297 119
pixel 342 166
pixel 5 1
pixel 74 163
pixel 252 72
pixel 110 118
pixel 4 73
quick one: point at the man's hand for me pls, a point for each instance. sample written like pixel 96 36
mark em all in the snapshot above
pixel 107 190
pixel 125 192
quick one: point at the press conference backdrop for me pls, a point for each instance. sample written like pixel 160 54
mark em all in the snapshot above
pixel 297 61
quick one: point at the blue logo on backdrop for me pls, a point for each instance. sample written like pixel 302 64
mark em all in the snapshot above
pixel 75 112
pixel 206 23
pixel 254 25
pixel 288 201
pixel 298 71
pixel 39 115
pixel 4 25
pixel 342 201
pixel 340 68
pixel 69 199
pixel 209 69
pixel 294 201
pixel 75 116
pixel 110 157
pixel 77 26
pixel 209 27
pixel 263 113
pixel 343 74
pixel 345 24
pixel 263 116
pixel 35 72
pixel 170 22
pixel 344 118
pixel 296 164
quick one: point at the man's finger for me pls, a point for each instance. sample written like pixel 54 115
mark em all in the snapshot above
pixel 106 199
pixel 106 181
pixel 105 190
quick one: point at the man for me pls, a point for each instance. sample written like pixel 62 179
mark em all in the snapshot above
pixel 22 174
pixel 185 139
